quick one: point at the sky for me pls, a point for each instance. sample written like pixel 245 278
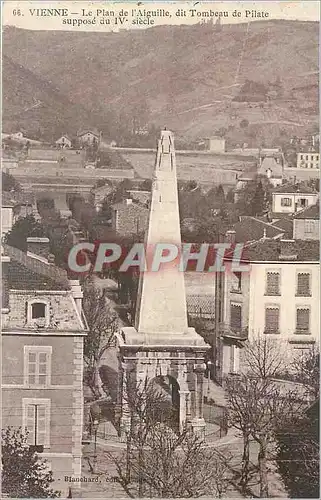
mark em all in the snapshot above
pixel 91 16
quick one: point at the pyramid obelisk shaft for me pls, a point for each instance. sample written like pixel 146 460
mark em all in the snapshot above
pixel 161 301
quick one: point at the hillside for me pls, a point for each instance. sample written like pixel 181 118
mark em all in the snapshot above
pixel 185 77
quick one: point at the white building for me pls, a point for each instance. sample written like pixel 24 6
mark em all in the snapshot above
pixel 306 224
pixel 308 159
pixel 278 298
pixel 215 144
pixel 63 142
pixel 290 198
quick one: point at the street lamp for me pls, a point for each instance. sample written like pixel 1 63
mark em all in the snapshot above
pixel 95 429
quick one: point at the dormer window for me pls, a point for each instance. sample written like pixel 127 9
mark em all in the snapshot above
pixel 38 313
pixel 38 310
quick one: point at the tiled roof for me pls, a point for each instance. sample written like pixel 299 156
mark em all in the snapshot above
pixel 294 188
pixel 312 212
pixel 285 224
pixel 93 131
pixel 200 305
pixel 29 273
pixel 252 229
pixel 122 205
pixel 269 250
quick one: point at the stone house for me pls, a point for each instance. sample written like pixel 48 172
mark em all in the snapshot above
pixel 129 217
pixel 43 330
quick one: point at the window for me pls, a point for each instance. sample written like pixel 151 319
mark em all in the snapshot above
pixel 286 202
pixel 301 156
pixel 303 202
pixel 236 317
pixel 37 365
pixel 272 283
pixel 302 320
pixel 38 313
pixel 303 285
pixel 272 314
pixel 237 282
pixel 36 420
pixel 306 157
pixel 38 310
pixel 309 226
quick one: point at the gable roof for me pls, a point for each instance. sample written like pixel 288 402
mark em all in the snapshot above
pixel 294 188
pixel 312 212
pixel 251 229
pixel 93 131
pixel 285 224
pixel 28 272
pixel 269 250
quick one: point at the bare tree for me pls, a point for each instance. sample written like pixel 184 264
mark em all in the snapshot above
pixel 239 413
pixel 163 462
pixel 102 326
pixel 307 371
pixel 262 358
pixel 258 403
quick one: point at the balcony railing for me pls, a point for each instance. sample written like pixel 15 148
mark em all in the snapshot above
pixel 226 330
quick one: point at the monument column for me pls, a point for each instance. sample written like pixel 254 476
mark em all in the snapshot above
pixel 161 333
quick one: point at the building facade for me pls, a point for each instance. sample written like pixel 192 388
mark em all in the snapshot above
pixel 291 198
pixel 306 224
pixel 278 298
pixel 215 144
pixel 63 142
pixel 129 217
pixel 308 159
pixel 43 330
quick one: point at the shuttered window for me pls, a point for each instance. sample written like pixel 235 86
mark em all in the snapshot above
pixel 303 285
pixel 36 421
pixel 273 283
pixel 272 315
pixel 236 317
pixel 302 320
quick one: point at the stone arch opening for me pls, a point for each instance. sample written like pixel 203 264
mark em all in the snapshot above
pixel 167 409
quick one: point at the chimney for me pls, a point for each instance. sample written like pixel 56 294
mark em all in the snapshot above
pixel 38 246
pixel 288 250
pixel 230 236
pixel 77 294
pixel 128 201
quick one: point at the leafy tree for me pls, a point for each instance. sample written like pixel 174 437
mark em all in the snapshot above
pixel 24 474
pixel 244 123
pixel 9 183
pixel 21 230
pixel 146 185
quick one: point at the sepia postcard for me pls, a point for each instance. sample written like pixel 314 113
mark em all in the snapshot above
pixel 160 249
